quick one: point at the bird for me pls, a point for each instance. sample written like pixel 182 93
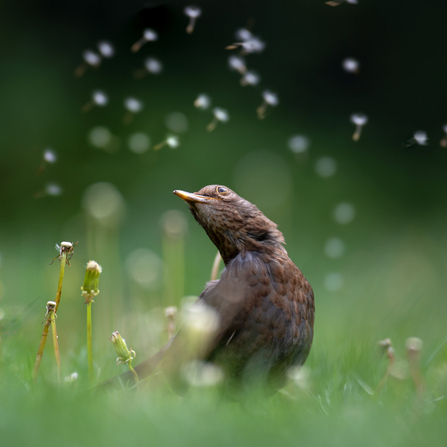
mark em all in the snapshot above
pixel 264 305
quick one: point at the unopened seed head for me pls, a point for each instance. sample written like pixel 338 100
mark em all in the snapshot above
pixel 421 137
pixel 351 65
pixel 150 35
pixel 221 114
pixel 100 98
pixel 93 265
pixel 359 119
pixel 170 311
pixel 91 58
pixel 53 189
pixel 251 78
pixel 133 105
pixel 236 63
pixel 270 98
pixel 413 344
pixel 66 244
pixel 203 101
pixel 106 48
pixel 193 11
pixel 153 65
pixel 50 156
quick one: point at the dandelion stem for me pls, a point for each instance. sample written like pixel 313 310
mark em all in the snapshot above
pixel 89 342
pixel 134 373
pixel 63 259
pixel 52 317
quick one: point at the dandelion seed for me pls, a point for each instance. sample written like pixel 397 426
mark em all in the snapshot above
pixel 50 156
pixel 334 248
pixel 219 115
pixel 139 143
pixel 250 78
pixel 443 142
pixel 202 101
pixel 344 213
pixel 359 119
pixel 90 58
pixel 106 49
pixel 351 65
pixel 152 65
pixel 237 63
pixel 269 99
pixel 421 138
pixel 298 144
pixel 149 35
pixel 99 98
pixel 243 34
pixel 193 12
pixel 132 105
pixel 326 167
pixel 177 122
pixel 172 141
pixel 53 189
pixel 252 45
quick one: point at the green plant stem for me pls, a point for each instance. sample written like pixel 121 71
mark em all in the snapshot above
pixel 52 318
pixel 89 342
pixel 133 372
pixel 46 328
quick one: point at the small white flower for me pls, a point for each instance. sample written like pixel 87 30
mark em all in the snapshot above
pixel 203 101
pixel 106 49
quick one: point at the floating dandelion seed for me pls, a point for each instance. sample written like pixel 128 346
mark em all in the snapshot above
pixel 252 45
pixel 250 78
pixel 90 58
pixel 269 99
pixel 132 105
pixel 172 141
pixel 193 12
pixel 219 115
pixel 351 65
pixel 53 189
pixel 443 142
pixel 202 101
pixel 152 65
pixel 333 281
pixel 139 143
pixel 326 167
pixel 99 98
pixel 359 119
pixel 106 49
pixel 177 122
pixel 50 156
pixel 298 144
pixel 421 138
pixel 334 248
pixel 237 63
pixel 149 35
pixel 243 34
pixel 344 213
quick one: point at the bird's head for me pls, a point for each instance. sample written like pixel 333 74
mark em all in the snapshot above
pixel 232 223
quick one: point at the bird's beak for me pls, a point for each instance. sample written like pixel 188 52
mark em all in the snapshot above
pixel 192 198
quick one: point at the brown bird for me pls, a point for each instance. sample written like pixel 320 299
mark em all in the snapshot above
pixel 264 304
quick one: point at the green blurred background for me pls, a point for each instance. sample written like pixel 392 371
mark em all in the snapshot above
pixel 388 276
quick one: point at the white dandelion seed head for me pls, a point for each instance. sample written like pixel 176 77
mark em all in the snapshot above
pixel 139 143
pixel 242 34
pixel 50 155
pixel 193 11
pixel 100 98
pixel 351 65
pixel 236 63
pixel 203 101
pixel 99 136
pixel 153 65
pixel 344 213
pixel 91 58
pixel 53 189
pixel 299 144
pixel 334 248
pixel 251 78
pixel 173 141
pixel 133 105
pixel 106 48
pixel 360 119
pixel 326 167
pixel 221 114
pixel 270 98
pixel 421 137
pixel 150 35
pixel 253 45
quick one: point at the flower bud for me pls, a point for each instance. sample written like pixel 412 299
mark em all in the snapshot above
pixel 91 280
pixel 124 354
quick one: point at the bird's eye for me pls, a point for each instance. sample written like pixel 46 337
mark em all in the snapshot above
pixel 221 190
